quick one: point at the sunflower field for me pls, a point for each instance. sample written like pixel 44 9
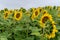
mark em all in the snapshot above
pixel 42 23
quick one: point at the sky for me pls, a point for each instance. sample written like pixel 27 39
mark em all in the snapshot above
pixel 15 4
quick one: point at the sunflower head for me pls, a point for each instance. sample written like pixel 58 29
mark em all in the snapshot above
pixel 18 15
pixel 52 31
pixel 44 11
pixel 10 11
pixel 49 7
pixel 36 12
pixel 6 13
pixel 40 9
pixel 46 17
pixel 33 16
pixel 33 9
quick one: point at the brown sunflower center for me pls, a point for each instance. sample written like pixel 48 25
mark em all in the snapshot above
pixel 45 19
pixel 6 14
pixel 36 13
pixel 17 15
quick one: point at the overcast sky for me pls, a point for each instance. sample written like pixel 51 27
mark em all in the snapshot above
pixel 13 4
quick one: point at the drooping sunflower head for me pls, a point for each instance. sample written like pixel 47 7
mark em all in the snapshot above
pixel 18 15
pixel 6 13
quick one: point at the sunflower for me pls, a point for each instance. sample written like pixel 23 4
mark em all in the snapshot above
pixel 44 11
pixel 44 18
pixel 54 28
pixel 49 7
pixel 6 13
pixel 40 9
pixel 42 21
pixel 18 15
pixel 35 14
pixel 52 34
pixel 48 36
pixel 33 9
pixel 10 11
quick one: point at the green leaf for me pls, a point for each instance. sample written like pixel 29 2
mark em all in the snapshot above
pixel 35 33
pixel 3 38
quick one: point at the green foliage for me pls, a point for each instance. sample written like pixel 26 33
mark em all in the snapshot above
pixel 27 29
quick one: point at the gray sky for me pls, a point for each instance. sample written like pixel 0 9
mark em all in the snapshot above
pixel 13 4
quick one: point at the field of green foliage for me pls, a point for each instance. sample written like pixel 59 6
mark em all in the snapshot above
pixel 42 23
